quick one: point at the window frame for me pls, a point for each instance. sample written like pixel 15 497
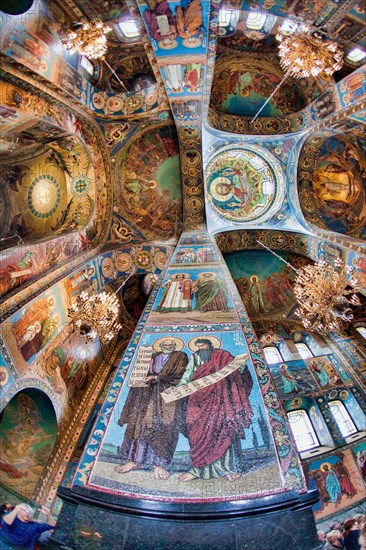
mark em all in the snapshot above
pixel 311 432
pixel 302 344
pixel 347 418
pixel 277 352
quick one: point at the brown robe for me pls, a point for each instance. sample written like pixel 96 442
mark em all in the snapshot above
pixel 146 413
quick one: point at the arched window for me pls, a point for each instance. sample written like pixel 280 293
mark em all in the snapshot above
pixel 304 350
pixel 342 418
pixel 272 355
pixel 303 431
pixel 362 331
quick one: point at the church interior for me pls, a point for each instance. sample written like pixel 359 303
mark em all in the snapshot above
pixel 183 270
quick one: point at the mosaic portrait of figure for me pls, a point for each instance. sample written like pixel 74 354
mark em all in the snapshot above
pixel 324 372
pixel 31 329
pixel 265 283
pixel 332 477
pixel 339 185
pixel 194 294
pixel 293 378
pixel 28 433
pixel 188 412
pixel 244 183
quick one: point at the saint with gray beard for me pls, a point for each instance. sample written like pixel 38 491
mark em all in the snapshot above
pixel 153 426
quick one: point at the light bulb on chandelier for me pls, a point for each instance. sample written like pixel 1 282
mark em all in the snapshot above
pixel 89 38
pixel 325 294
pixel 96 315
pixel 306 54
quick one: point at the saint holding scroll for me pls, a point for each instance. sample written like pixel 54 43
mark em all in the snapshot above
pixel 217 415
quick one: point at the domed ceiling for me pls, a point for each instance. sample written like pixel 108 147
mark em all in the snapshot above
pixel 333 172
pixel 50 191
pixel 149 183
pixel 242 83
pixel 244 184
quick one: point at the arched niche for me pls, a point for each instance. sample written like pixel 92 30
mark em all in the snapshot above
pixel 332 182
pixel 265 283
pixel 148 190
pixel 243 82
pixel 28 430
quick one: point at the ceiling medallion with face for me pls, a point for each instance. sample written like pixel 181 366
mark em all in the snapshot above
pixel 244 184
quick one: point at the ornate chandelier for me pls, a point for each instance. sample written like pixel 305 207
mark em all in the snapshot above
pixel 322 291
pixel 306 54
pixel 88 39
pixel 97 314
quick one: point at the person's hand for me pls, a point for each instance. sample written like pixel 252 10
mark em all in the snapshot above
pixel 44 510
pixel 150 379
pixel 20 508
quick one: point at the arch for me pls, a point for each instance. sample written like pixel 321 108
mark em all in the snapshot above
pixel 331 170
pixel 27 437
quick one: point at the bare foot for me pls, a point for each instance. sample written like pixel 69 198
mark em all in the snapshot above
pixel 160 473
pixel 187 477
pixel 128 467
pixel 233 477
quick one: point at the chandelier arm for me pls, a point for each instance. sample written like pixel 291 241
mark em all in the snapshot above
pixel 277 256
pixel 270 97
pixel 115 75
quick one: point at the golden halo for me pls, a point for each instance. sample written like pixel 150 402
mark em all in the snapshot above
pixel 193 42
pixel 216 342
pixel 175 275
pixel 168 44
pixel 210 273
pixel 178 342
pixel 325 464
pixel 4 376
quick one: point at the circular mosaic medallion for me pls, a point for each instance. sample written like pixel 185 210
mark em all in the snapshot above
pixel 44 196
pixel 4 376
pixel 143 259
pixel 114 103
pixel 123 261
pixel 151 96
pixel 160 259
pixel 80 185
pixel 107 267
pixel 98 101
pixel 245 183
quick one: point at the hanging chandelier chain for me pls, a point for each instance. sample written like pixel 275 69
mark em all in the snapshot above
pixel 277 256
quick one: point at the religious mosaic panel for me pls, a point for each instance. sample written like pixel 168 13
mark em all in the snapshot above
pixel 244 184
pixel 243 82
pixel 149 185
pixel 142 455
pixel 265 282
pixel 185 408
pixel 337 169
pixel 28 433
pixel 338 481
